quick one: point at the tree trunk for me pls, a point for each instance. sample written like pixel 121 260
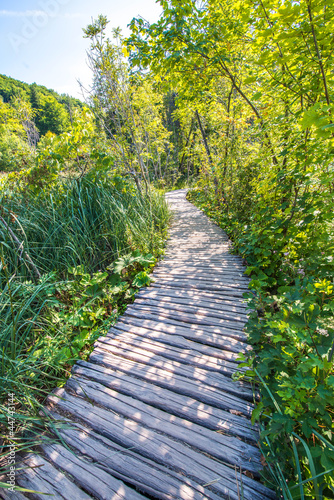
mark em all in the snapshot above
pixel 204 138
pixel 205 142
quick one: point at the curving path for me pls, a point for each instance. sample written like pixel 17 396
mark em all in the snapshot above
pixel 155 413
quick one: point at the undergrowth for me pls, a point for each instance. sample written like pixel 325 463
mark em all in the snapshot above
pixel 72 257
pixel 291 330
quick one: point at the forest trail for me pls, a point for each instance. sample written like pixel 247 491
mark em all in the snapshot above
pixel 155 413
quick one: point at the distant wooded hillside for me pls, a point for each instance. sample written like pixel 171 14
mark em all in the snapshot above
pixel 51 110
pixel 27 113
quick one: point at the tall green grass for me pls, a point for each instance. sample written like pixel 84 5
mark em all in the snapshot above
pixel 79 223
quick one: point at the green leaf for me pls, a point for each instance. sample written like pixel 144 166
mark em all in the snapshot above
pixel 141 279
pixel 256 413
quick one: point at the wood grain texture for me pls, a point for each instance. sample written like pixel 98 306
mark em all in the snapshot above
pixel 226 448
pixel 90 477
pixel 185 347
pixel 185 321
pixel 154 353
pixel 187 340
pixel 171 296
pixel 149 477
pixel 234 424
pixel 219 338
pixel 157 447
pixel 173 380
pixel 11 495
pixel 155 413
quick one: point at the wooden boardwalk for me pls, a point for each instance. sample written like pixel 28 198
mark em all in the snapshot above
pixel 155 413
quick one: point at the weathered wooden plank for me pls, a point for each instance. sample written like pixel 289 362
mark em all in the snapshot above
pixel 203 275
pixel 93 479
pixel 198 242
pixel 185 407
pixel 193 262
pixel 205 295
pixel 173 381
pixel 196 227
pixel 209 335
pixel 199 235
pixel 233 317
pixel 197 269
pixel 201 265
pixel 179 255
pixel 201 229
pixel 228 267
pixel 212 377
pixel 197 266
pixel 173 363
pixel 208 368
pixel 186 317
pixel 183 247
pixel 226 448
pixel 202 246
pixel 198 247
pixel 172 343
pixel 219 290
pixel 223 247
pixel 167 296
pixel 211 276
pixel 159 448
pixel 180 249
pixel 234 289
pixel 148 476
pixel 214 299
pixel 157 385
pixel 145 335
pixel 39 475
pixel 183 338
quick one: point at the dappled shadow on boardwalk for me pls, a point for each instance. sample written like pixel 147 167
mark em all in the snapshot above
pixel 154 413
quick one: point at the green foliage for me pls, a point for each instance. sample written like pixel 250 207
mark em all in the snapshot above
pixel 267 68
pixel 26 112
pixel 294 337
pixel 14 153
pixel 52 116
pixel 292 331
pixel 129 107
pixel 11 89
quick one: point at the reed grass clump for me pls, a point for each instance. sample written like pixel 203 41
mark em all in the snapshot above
pixel 78 223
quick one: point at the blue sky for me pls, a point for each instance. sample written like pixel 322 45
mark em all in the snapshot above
pixel 41 40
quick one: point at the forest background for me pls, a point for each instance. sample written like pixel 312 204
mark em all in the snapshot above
pixel 234 98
